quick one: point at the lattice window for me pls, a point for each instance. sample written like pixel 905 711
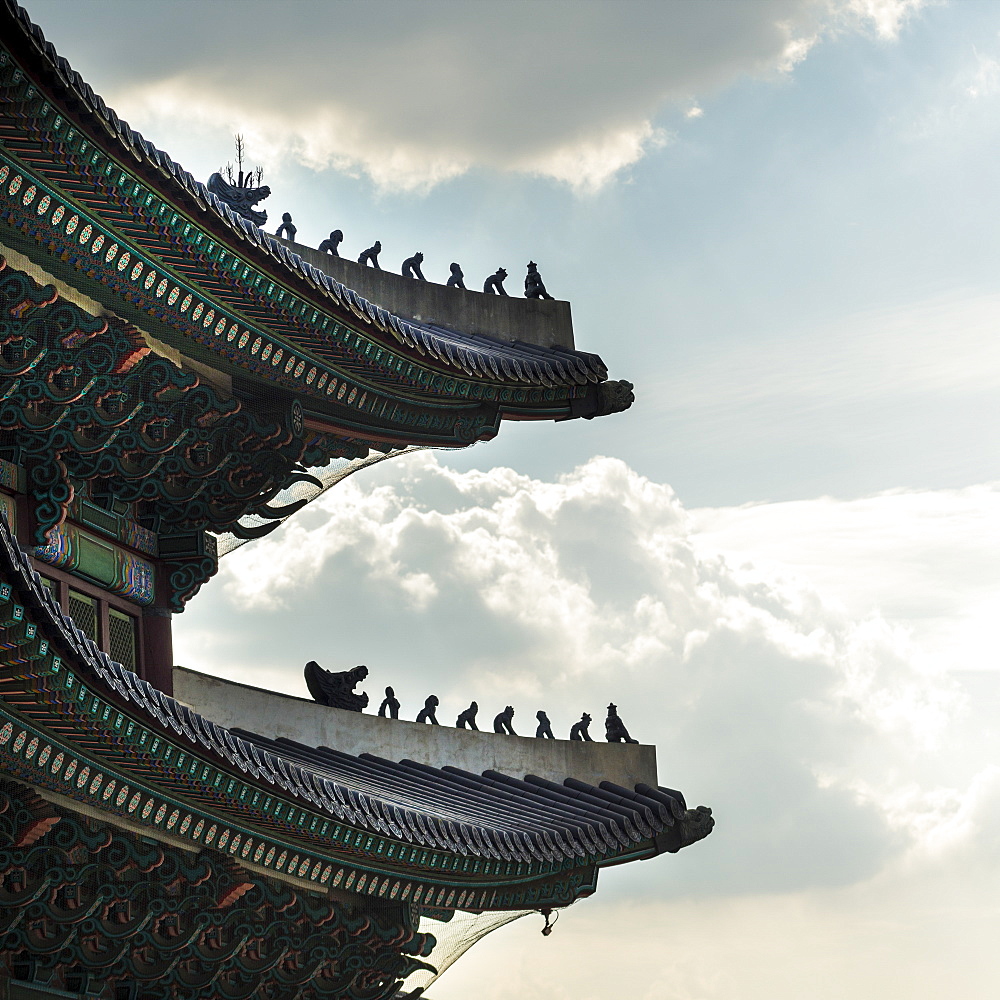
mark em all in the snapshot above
pixel 83 611
pixel 121 638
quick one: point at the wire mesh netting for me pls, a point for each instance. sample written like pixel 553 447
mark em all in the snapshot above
pixel 454 938
pixel 83 611
pixel 337 471
pixel 121 638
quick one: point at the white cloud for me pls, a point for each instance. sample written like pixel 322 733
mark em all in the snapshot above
pixel 415 94
pixel 923 560
pixel 847 766
pixel 887 17
pixel 985 80
pixel 588 166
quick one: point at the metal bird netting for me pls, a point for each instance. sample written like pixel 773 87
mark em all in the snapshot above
pixel 300 494
pixel 454 938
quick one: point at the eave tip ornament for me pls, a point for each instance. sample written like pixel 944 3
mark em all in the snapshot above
pixel 613 397
pixel 241 190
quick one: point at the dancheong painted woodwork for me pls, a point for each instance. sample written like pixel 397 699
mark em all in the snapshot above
pixel 110 912
pixel 85 402
pixel 167 372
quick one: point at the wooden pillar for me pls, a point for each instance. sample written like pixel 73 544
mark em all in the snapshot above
pixel 158 649
pixel 103 630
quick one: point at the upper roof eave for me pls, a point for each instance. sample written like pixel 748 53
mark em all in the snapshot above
pixel 558 366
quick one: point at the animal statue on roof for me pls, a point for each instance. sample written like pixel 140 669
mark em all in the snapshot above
pixel 286 228
pixel 336 689
pixel 330 244
pixel 581 729
pixel 240 197
pixel 390 705
pixel 411 267
pixel 503 722
pixel 544 730
pixel 370 256
pixel 468 718
pixel 494 283
pixel 614 728
pixel 457 279
pixel 534 287
pixel 429 712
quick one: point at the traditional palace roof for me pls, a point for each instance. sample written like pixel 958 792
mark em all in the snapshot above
pixel 96 203
pixel 530 842
pixel 92 735
pixel 170 354
pixel 169 373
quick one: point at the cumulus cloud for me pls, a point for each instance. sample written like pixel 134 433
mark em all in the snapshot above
pixel 773 653
pixel 886 17
pixel 800 719
pixel 414 94
pixel 924 560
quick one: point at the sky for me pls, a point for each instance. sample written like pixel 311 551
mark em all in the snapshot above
pixel 777 219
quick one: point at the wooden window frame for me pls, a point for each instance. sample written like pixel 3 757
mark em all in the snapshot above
pixel 67 581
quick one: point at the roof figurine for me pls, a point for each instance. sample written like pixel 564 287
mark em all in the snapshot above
pixel 503 723
pixel 457 278
pixel 411 267
pixel 468 718
pixel 534 287
pixel 286 228
pixel 429 712
pixel 544 730
pixel 614 728
pixel 336 689
pixel 239 190
pixel 494 283
pixel 239 198
pixel 330 244
pixel 581 729
pixel 370 256
pixel 390 705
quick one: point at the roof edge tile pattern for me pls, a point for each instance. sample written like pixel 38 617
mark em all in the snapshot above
pixel 519 842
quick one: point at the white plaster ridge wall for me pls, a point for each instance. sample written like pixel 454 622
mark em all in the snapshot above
pixel 279 715
pixel 543 322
